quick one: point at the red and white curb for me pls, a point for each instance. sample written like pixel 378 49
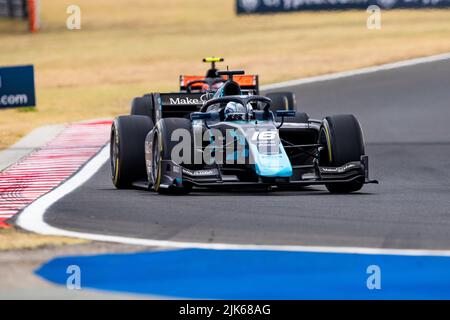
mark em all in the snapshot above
pixel 47 167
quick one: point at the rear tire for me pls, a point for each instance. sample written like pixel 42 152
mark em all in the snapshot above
pixel 162 150
pixel 282 101
pixel 343 140
pixel 127 157
pixel 143 106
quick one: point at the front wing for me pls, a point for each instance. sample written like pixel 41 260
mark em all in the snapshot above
pixel 175 175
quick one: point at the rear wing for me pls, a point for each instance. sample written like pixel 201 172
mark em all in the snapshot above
pixel 178 104
pixel 185 80
pixel 248 82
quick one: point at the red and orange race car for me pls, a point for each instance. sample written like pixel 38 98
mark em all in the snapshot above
pixel 211 81
pixel 201 87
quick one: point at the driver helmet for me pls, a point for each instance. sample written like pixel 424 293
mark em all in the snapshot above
pixel 213 87
pixel 236 111
pixel 205 87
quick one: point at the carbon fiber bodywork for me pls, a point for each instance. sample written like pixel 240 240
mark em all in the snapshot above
pixel 295 161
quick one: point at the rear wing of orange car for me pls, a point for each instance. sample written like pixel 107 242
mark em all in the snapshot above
pixel 248 82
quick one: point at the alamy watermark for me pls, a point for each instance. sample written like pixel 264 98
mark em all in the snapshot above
pixel 231 146
pixel 74 279
pixel 374 280
pixel 73 21
pixel 374 19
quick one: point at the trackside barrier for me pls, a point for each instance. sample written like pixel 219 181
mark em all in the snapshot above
pixel 274 6
pixel 22 9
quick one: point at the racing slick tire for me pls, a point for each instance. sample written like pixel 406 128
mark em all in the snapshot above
pixel 344 142
pixel 162 149
pixel 142 106
pixel 127 157
pixel 282 101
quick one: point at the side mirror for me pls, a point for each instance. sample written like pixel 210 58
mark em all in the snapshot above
pixel 285 113
pixel 200 116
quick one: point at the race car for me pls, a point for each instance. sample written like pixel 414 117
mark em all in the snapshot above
pixel 228 139
pixel 209 83
pixel 212 81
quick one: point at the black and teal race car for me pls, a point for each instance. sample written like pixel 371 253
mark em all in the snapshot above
pixel 233 139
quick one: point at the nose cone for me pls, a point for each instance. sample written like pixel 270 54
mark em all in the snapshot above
pixel 274 165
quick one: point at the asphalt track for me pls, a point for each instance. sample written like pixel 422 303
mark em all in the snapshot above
pixel 404 113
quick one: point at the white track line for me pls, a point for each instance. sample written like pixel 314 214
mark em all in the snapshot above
pixel 32 217
pixel 357 72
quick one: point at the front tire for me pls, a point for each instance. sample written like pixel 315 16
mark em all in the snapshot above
pixel 127 157
pixel 162 151
pixel 343 140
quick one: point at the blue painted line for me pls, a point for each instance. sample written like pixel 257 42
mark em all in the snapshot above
pixel 235 274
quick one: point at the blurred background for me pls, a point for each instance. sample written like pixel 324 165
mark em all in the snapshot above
pixel 128 47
